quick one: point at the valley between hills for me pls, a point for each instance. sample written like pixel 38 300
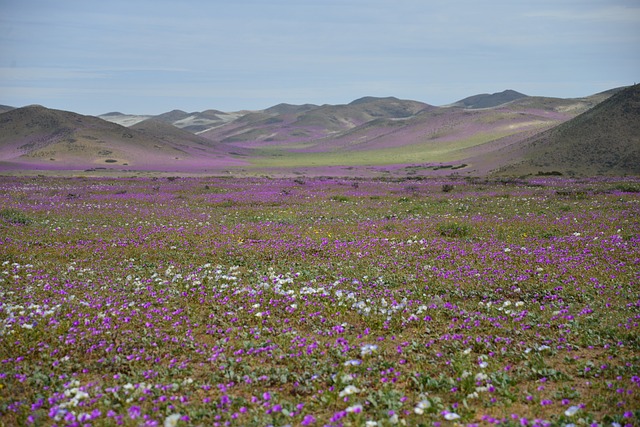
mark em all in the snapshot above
pixel 506 133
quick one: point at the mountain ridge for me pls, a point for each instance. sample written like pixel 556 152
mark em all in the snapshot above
pixel 486 100
pixel 602 140
pixel 367 134
pixel 35 137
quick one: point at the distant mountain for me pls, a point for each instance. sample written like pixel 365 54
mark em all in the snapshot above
pixel 289 108
pixel 167 132
pixel 172 116
pixel 604 140
pixel 572 106
pixel 596 134
pixel 123 119
pixel 193 122
pixel 285 124
pixel 36 137
pixel 176 137
pixel 431 134
pixel 389 107
pixel 5 108
pixel 486 100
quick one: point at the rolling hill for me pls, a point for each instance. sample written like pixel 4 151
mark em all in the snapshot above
pixel 286 125
pixel 604 140
pixel 195 122
pixel 36 137
pixel 383 131
pixel 486 100
pixel 507 132
pixel 5 108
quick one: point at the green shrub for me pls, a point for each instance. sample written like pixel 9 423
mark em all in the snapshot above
pixel 14 216
pixel 454 229
pixel 340 198
pixel 626 187
pixel 447 188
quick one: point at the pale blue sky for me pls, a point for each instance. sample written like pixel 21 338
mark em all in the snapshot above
pixel 152 56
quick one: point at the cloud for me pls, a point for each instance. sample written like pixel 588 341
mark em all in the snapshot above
pixel 251 53
pixel 50 73
pixel 30 94
pixel 611 14
pixel 45 73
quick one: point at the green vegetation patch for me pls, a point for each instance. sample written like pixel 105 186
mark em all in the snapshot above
pixel 423 152
pixel 15 217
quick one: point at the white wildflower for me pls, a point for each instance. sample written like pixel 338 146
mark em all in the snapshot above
pixel 450 416
pixel 346 378
pixel 421 406
pixel 172 420
pixel 350 389
pixel 368 349
pixel 481 377
pixel 571 411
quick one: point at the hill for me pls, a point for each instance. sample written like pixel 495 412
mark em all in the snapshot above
pixel 292 125
pixel 368 136
pixel 486 100
pixel 123 119
pixel 289 108
pixel 195 122
pixel 374 131
pixel 36 137
pixel 604 140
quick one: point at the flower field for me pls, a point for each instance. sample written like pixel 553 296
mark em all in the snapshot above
pixel 312 302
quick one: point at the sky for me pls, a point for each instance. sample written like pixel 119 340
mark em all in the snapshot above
pixel 153 56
